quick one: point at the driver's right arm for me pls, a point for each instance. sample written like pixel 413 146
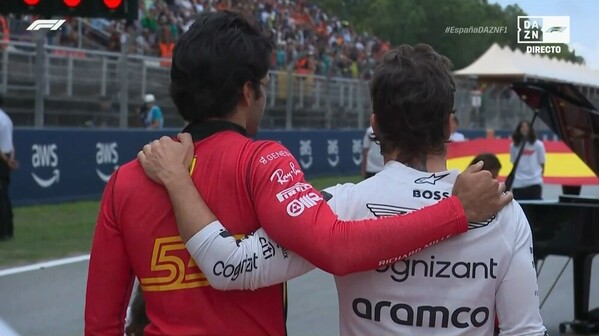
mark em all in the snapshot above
pixel 253 262
pixel 295 215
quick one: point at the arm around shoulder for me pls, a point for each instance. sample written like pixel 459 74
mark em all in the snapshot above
pixel 294 214
pixel 251 263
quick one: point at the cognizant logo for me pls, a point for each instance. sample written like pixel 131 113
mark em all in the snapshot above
pixel 421 316
pixel 246 265
pixel 404 269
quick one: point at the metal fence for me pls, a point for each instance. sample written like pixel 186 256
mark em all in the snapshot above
pixel 52 74
pixel 57 86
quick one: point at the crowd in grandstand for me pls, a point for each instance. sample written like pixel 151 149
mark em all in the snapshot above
pixel 307 39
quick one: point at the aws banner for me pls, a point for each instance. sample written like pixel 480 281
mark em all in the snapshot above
pixel 59 165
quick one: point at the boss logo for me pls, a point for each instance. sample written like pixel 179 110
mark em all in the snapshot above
pixel 428 194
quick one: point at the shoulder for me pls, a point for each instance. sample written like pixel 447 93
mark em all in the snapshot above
pixel 128 171
pixel 512 221
pixel 4 118
pixel 339 190
pixel 337 197
pixel 269 149
pixel 511 211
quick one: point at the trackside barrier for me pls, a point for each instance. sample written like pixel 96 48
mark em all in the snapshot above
pixel 62 165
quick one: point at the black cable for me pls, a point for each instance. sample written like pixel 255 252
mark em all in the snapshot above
pixel 555 282
pixel 541 267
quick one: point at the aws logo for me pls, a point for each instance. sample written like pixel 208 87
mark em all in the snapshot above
pixel 44 159
pixel 107 158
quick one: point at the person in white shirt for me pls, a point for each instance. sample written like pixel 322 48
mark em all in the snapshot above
pixel 455 287
pixel 372 159
pixel 528 179
pixel 455 135
pixel 7 164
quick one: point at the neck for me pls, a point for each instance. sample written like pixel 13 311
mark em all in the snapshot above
pixel 236 118
pixel 429 163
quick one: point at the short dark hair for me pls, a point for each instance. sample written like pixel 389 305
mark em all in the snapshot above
pixel 213 60
pixel 1 100
pixel 412 92
pixel 490 161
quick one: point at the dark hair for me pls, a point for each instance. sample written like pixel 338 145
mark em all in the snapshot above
pixel 517 135
pixel 1 100
pixel 213 60
pixel 412 92
pixel 490 161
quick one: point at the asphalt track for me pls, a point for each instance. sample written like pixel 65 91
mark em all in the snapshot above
pixel 50 301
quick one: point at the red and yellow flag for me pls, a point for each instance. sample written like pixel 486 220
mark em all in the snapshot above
pixel 562 166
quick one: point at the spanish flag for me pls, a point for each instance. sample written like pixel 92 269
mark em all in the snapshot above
pixel 562 166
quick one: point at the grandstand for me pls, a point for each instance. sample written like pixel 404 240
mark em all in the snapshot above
pixel 319 61
pixel 93 72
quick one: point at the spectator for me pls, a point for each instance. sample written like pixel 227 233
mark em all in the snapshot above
pixel 528 178
pixel 7 164
pixel 153 117
pixel 455 135
pixel 372 159
pixel 491 163
pixel 297 28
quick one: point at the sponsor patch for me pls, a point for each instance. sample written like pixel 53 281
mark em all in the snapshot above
pixel 273 156
pixel 295 189
pixel 430 179
pixel 297 206
pixel 282 176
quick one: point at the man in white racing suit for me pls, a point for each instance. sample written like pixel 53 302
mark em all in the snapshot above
pixel 455 287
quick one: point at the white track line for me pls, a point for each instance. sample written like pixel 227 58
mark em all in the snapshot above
pixel 42 265
pixel 6 330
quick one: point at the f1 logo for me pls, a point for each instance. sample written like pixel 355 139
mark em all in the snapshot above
pixel 46 24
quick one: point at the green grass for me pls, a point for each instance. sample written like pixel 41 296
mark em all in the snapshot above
pixel 324 182
pixel 47 232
